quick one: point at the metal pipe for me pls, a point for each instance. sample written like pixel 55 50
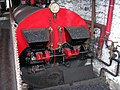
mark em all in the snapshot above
pixel 102 34
pixel 109 17
pixel 93 18
pixel 109 64
pixel 105 34
pixel 113 74
pixel 97 25
pixel 112 59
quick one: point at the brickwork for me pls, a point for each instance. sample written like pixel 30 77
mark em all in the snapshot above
pixel 84 9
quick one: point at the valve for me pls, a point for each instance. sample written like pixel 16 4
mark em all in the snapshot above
pixel 69 53
pixel 40 56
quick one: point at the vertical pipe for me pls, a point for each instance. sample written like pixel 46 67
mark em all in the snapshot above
pixel 93 18
pixel 100 45
pixel 109 17
pixel 108 24
pixel 47 2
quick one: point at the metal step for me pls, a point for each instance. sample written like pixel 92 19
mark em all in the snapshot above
pixel 92 84
pixel 84 79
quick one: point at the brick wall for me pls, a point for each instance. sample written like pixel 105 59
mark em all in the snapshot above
pixel 84 9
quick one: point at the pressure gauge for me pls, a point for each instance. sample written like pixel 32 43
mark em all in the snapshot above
pixel 54 7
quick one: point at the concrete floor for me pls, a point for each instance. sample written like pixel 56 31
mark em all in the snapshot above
pixel 7 73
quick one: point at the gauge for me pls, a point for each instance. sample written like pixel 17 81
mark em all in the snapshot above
pixel 54 7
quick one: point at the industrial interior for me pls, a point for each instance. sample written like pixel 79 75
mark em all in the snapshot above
pixel 59 45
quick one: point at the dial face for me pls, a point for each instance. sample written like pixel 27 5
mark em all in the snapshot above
pixel 54 7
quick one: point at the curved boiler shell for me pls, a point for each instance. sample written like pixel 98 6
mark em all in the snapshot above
pixel 30 18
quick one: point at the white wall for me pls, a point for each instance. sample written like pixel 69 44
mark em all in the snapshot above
pixel 84 8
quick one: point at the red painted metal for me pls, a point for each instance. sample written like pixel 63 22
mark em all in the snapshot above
pixel 32 2
pixel 109 18
pixel 44 18
pixel 108 25
pixel 69 53
pixel 28 55
pixel 40 56
pixel 42 2
pixel 47 56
